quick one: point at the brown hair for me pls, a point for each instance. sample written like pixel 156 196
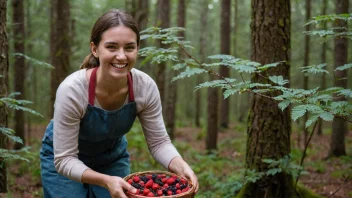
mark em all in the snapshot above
pixel 112 18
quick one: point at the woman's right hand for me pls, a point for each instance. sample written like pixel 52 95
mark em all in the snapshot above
pixel 116 187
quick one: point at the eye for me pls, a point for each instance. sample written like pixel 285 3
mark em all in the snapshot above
pixel 130 47
pixel 111 47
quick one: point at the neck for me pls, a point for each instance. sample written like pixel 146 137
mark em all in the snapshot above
pixel 110 85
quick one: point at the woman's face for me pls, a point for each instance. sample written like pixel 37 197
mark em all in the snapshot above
pixel 117 51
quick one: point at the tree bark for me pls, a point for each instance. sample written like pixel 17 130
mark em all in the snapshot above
pixel 339 126
pixel 164 22
pixel 4 68
pixel 269 128
pixel 225 49
pixel 319 129
pixel 202 49
pixel 19 65
pixel 212 120
pixel 172 88
pixel 60 45
pixel 306 63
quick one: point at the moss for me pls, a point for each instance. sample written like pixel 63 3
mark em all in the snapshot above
pixel 307 193
pixel 281 22
pixel 302 192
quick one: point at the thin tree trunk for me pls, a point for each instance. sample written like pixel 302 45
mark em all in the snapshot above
pixel 212 121
pixel 306 63
pixel 60 45
pixel 225 49
pixel 19 65
pixel 339 126
pixel 4 68
pixel 202 49
pixel 164 20
pixel 172 88
pixel 269 128
pixel 319 129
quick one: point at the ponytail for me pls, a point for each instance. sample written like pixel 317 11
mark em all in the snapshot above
pixel 89 62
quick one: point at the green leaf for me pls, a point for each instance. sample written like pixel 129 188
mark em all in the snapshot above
pixel 311 120
pixel 273 171
pixel 278 80
pixel 315 69
pixel 284 104
pixel 331 17
pixel 221 56
pixel 189 72
pixel 327 116
pixel 330 90
pixel 344 67
pixel 10 134
pixel 266 66
pixel 6 155
pixel 35 62
pixel 217 83
pixel 345 92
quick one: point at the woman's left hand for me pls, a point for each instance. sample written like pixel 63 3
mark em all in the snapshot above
pixel 179 166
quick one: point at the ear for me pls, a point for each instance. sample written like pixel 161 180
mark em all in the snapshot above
pixel 94 50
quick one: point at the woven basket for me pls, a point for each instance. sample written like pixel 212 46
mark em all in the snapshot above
pixel 189 194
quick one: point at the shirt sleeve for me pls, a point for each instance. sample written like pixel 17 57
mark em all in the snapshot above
pixel 67 117
pixel 151 119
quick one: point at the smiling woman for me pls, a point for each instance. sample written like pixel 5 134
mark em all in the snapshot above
pixel 84 149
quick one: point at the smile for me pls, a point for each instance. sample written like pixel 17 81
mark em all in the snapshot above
pixel 119 66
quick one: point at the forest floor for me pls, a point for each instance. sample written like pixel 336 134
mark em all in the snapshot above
pixel 324 177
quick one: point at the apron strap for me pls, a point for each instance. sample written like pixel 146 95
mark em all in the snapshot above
pixel 92 82
pixel 130 87
pixel 91 90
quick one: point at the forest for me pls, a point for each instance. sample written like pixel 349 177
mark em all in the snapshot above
pixel 255 95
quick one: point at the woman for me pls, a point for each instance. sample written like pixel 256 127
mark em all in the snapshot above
pixel 84 149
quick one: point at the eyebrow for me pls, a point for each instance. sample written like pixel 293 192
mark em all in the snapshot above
pixel 114 43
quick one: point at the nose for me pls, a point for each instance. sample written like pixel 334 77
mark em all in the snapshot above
pixel 120 54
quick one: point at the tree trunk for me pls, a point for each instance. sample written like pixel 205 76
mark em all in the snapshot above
pixel 164 21
pixel 319 129
pixel 4 68
pixel 306 63
pixel 19 65
pixel 339 126
pixel 212 121
pixel 269 128
pixel 60 45
pixel 172 88
pixel 202 48
pixel 225 49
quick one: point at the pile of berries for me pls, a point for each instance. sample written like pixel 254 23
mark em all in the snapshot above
pixel 155 185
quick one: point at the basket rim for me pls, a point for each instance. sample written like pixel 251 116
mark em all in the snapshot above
pixel 190 184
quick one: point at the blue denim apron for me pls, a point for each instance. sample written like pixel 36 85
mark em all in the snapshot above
pixel 102 147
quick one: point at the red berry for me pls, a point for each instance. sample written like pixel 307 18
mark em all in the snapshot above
pixel 164 180
pixel 146 191
pixel 141 183
pixel 165 186
pixel 150 194
pixel 178 185
pixel 170 181
pixel 149 184
pixel 160 193
pixel 149 176
pixel 155 186
pixel 130 181
pixel 136 179
pixel 178 191
pixel 169 192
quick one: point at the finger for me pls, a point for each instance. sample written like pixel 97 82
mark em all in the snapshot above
pixel 125 185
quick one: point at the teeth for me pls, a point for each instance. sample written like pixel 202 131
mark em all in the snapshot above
pixel 119 65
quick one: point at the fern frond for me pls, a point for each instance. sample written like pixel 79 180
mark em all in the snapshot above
pixel 6 155
pixel 345 92
pixel 278 80
pixel 189 72
pixel 216 83
pixel 34 61
pixel 344 67
pixel 265 67
pixel 284 104
pixel 331 17
pixel 311 120
pixel 315 69
pixel 9 133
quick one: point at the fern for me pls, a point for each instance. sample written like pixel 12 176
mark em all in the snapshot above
pixel 344 67
pixel 331 17
pixel 6 155
pixel 216 83
pixel 9 133
pixel 315 69
pixel 189 72
pixel 278 80
pixel 35 61
pixel 345 92
pixel 17 105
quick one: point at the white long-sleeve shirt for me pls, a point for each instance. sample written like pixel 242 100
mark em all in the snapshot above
pixel 71 104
